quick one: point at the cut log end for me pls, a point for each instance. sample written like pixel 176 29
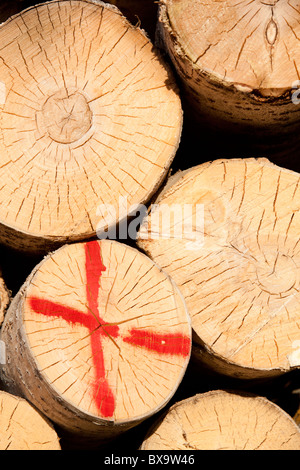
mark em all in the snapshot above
pixel 114 353
pixel 221 420
pixel 23 428
pixel 205 30
pixel 90 113
pixel 226 86
pixel 237 264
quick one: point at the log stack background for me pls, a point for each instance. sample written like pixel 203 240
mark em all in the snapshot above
pixel 199 144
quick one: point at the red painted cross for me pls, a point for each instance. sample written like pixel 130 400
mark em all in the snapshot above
pixel 176 344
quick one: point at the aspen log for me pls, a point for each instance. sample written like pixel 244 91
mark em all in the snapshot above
pixel 22 427
pixel 239 66
pixel 98 338
pixel 221 420
pixel 236 262
pixel 90 114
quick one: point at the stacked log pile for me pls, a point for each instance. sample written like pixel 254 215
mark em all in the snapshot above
pixel 149 225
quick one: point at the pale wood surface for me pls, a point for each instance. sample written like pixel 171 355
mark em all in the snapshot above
pixel 89 113
pixel 221 420
pixel 24 428
pixel 213 145
pixel 238 62
pixel 256 41
pixel 108 363
pixel 241 283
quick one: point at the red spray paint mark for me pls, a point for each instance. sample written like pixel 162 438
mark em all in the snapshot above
pixel 91 319
pixel 103 394
pixel 175 344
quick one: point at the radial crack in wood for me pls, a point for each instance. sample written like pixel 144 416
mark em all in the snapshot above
pixel 98 338
pixel 239 65
pixel 236 261
pixel 22 427
pixel 89 114
pixel 221 420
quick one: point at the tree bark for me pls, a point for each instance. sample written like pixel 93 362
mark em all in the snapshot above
pixel 238 64
pixel 232 247
pixel 98 339
pixel 4 299
pixel 221 420
pixel 90 113
pixel 22 427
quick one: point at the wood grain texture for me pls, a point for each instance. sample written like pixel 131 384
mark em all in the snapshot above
pixel 220 420
pixel 241 283
pixel 22 427
pixel 89 112
pixel 238 62
pixel 98 338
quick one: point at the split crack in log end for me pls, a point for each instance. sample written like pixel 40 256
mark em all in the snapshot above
pixel 227 85
pixel 102 361
pixel 221 420
pixel 92 113
pixel 241 285
pixel 23 428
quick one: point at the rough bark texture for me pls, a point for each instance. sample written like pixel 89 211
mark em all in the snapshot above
pixel 239 66
pixel 89 113
pixel 100 361
pixel 237 265
pixel 4 299
pixel 222 420
pixel 22 427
